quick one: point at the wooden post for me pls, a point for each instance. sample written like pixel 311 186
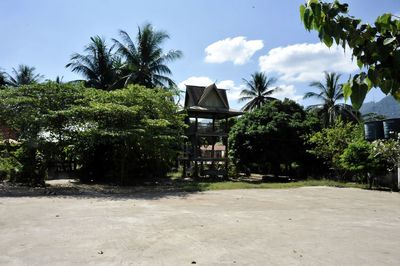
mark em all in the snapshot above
pixel 226 147
pixel 196 169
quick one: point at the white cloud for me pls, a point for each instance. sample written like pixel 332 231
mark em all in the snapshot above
pixel 306 62
pixel 195 81
pixel 232 90
pixel 287 91
pixel 238 50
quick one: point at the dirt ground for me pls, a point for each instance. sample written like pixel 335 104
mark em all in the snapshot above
pixel 303 226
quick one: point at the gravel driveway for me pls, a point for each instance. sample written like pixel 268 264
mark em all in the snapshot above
pixel 307 226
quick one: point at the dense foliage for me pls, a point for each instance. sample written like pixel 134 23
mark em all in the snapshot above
pixel 121 136
pixel 271 137
pixel 330 143
pixel 376 47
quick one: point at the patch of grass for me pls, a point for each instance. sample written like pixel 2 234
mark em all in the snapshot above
pixel 204 186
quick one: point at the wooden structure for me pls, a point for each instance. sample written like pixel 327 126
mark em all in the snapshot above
pixel 207 111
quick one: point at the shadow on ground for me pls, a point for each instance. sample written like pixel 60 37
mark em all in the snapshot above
pixel 75 189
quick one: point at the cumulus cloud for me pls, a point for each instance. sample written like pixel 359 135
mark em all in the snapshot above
pixel 195 81
pixel 287 91
pixel 306 62
pixel 238 50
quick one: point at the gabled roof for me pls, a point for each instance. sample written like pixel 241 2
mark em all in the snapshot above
pixel 207 93
pixel 199 96
pixel 208 102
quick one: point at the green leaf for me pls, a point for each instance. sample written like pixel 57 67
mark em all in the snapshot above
pixel 389 40
pixel 311 2
pixel 359 64
pixel 328 40
pixel 346 90
pixel 307 18
pixel 358 95
pixel 302 9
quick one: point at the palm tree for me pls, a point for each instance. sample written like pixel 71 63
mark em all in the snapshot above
pixel 144 59
pixel 24 75
pixel 3 78
pixel 259 91
pixel 97 65
pixel 329 93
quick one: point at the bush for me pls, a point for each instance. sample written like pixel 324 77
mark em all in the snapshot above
pixel 330 143
pixel 358 159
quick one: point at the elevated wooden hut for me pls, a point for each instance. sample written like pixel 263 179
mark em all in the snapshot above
pixel 208 112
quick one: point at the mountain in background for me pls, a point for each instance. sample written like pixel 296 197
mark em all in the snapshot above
pixel 388 107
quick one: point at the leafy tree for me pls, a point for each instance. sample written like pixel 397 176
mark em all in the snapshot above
pixel 330 143
pixel 34 105
pixel 376 47
pixel 271 136
pixel 24 75
pixel 358 159
pixel 120 136
pixel 259 91
pixel 144 61
pixel 329 93
pixel 97 65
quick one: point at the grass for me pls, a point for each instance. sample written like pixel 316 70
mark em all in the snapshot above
pixel 204 186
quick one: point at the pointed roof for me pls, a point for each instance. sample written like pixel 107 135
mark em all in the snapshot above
pixel 208 101
pixel 208 93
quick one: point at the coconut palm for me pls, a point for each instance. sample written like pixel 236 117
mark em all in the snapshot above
pixel 23 75
pixel 258 91
pixel 97 65
pixel 3 78
pixel 145 62
pixel 329 93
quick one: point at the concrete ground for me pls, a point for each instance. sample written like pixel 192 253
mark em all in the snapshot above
pixel 304 226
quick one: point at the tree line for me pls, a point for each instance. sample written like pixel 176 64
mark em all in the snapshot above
pixel 140 60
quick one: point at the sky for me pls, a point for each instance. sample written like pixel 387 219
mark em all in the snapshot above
pixel 222 41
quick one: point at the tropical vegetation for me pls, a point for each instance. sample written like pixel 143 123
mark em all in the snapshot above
pixel 329 94
pixel 374 46
pixel 258 92
pixel 23 75
pixel 99 65
pixel 270 139
pixel 144 61
pixel 121 136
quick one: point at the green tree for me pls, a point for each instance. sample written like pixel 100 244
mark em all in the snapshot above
pixel 24 75
pixel 358 159
pixel 144 61
pixel 329 93
pixel 330 143
pixel 98 65
pixel 119 136
pixel 376 46
pixel 270 137
pixel 258 91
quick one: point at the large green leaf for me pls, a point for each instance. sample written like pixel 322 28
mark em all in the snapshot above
pixel 358 95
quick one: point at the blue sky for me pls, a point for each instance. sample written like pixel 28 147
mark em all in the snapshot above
pixel 222 41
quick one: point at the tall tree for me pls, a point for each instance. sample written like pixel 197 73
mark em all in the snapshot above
pixel 258 91
pixel 329 93
pixel 97 65
pixel 23 75
pixel 145 62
